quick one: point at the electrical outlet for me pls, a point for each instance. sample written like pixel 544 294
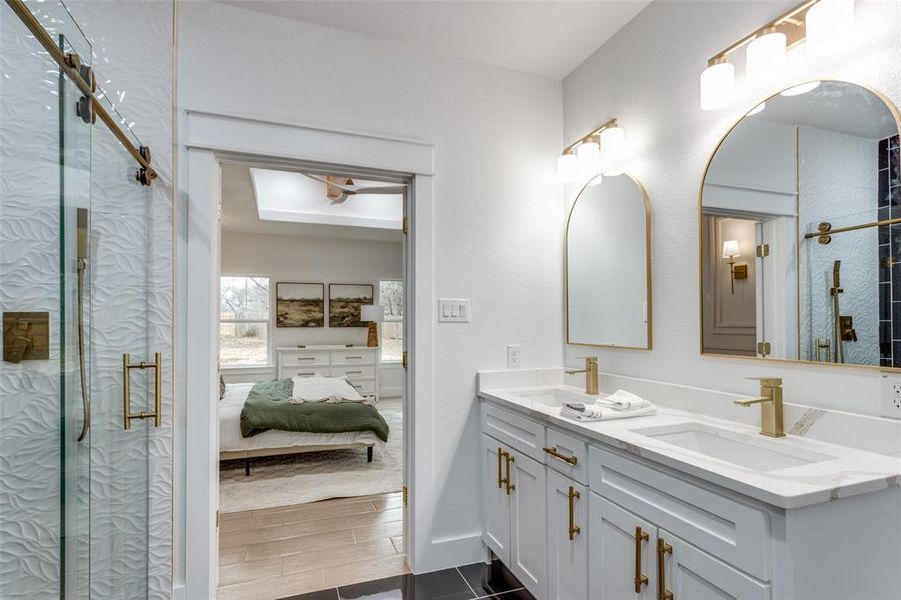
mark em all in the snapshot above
pixel 891 396
pixel 513 356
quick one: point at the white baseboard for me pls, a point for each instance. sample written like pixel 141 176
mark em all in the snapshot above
pixel 452 552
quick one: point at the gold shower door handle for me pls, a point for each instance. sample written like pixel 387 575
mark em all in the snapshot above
pixel 127 366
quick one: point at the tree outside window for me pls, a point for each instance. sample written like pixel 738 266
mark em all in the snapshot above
pixel 391 296
pixel 243 321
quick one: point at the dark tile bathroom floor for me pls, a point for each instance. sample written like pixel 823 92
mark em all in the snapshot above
pixel 473 581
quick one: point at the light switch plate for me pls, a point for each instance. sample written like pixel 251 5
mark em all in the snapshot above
pixel 891 395
pixel 453 310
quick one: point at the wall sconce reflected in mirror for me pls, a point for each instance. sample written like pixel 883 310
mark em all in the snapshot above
pixel 731 251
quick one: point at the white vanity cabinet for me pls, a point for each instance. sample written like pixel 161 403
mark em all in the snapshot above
pixel 514 488
pixel 567 538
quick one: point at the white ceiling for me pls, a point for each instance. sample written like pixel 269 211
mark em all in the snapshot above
pixel 239 214
pixel 545 37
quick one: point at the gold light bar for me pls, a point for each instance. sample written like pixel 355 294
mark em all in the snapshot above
pixel 147 173
pixel 791 23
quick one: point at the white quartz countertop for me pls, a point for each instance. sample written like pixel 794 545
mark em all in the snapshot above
pixel 846 472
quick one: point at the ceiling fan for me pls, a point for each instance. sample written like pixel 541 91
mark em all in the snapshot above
pixel 339 189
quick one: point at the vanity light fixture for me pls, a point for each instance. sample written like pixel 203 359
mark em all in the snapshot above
pixel 825 26
pixel 731 252
pixel 599 150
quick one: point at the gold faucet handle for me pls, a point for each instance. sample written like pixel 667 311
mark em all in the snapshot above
pixel 768 382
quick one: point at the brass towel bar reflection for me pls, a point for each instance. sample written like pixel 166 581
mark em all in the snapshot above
pixel 71 66
pixel 127 366
pixel 825 231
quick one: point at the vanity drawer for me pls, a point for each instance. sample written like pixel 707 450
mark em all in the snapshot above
pixel 518 432
pixel 736 533
pixel 354 356
pixel 567 455
pixel 306 358
pixel 289 371
pixel 354 372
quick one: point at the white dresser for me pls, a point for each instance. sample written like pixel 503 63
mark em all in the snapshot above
pixel 357 364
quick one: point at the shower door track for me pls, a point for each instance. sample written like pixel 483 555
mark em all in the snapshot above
pixel 825 231
pixel 146 174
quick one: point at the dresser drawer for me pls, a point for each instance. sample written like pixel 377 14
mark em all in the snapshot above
pixel 365 387
pixel 520 433
pixel 354 356
pixel 289 371
pixel 735 532
pixel 567 455
pixel 306 358
pixel 354 372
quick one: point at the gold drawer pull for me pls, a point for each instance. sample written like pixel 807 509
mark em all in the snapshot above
pixel 574 529
pixel 552 450
pixel 127 366
pixel 640 536
pixel 662 550
pixel 300 358
pixel 509 480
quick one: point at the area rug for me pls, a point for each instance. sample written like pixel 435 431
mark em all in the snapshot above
pixel 302 478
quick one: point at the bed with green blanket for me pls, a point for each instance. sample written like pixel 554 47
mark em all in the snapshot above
pixel 269 424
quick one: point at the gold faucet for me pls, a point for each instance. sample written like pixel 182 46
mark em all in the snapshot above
pixel 770 401
pixel 591 375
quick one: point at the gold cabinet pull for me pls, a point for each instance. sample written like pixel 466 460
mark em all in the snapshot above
pixel 500 468
pixel 127 366
pixel 640 580
pixel 574 529
pixel 662 550
pixel 509 479
pixel 552 450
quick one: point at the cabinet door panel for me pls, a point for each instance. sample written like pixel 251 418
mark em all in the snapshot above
pixel 696 575
pixel 496 532
pixel 611 569
pixel 567 559
pixel 528 514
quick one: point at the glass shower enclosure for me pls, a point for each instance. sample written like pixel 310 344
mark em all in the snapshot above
pixel 75 258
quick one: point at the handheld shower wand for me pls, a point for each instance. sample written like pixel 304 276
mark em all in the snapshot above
pixel 81 265
pixel 834 291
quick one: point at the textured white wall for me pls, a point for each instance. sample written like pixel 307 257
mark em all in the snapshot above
pixel 647 76
pixel 498 226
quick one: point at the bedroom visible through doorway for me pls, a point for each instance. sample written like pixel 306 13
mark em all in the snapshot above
pixel 311 409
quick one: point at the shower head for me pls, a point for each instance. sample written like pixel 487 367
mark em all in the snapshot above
pixel 81 233
pixel 836 274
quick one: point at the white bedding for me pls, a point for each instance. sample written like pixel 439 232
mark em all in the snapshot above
pixel 230 429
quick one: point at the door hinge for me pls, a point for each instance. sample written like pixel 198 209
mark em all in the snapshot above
pixel 405 495
pixel 403 361
pixel 763 348
pixel 763 250
pixel 406 226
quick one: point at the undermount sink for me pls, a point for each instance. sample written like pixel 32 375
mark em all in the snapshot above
pixel 552 396
pixel 749 451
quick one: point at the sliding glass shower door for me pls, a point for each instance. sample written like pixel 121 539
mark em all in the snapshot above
pixel 76 250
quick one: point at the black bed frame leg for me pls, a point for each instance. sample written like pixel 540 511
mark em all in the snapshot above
pixel 369 454
pixel 246 467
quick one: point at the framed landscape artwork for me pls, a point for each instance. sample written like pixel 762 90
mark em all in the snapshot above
pixel 299 304
pixel 344 302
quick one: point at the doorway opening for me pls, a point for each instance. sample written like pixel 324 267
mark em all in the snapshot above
pixel 312 310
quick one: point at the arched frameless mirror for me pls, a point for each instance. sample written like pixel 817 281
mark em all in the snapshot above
pixel 800 230
pixel 608 265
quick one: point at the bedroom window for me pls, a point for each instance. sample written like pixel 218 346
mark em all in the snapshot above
pixel 391 296
pixel 243 321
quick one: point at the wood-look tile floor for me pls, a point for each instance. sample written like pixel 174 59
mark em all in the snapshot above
pixel 278 552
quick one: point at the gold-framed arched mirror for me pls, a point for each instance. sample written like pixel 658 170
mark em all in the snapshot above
pixel 608 265
pixel 800 230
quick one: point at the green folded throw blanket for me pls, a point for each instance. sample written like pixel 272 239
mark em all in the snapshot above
pixel 268 407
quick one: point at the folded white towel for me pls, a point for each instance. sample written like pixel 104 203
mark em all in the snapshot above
pixel 593 412
pixel 323 389
pixel 623 400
